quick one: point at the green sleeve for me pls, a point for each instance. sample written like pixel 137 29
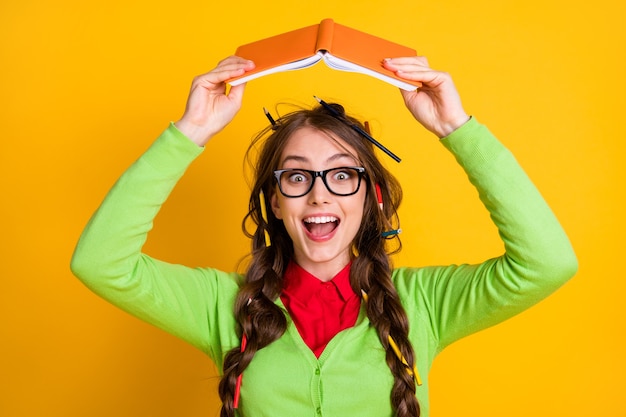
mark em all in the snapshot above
pixel 458 300
pixel 194 304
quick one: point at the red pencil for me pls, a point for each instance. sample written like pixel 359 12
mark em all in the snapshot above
pixel 379 196
pixel 244 341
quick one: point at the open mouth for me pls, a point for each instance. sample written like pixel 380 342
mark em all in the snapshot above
pixel 321 226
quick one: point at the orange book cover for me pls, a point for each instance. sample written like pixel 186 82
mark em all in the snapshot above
pixel 339 46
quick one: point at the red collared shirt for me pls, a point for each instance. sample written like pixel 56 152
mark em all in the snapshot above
pixel 319 309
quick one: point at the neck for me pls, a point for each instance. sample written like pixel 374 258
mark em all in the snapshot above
pixel 324 271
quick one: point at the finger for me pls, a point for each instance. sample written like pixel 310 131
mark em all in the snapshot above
pixel 225 70
pixel 233 59
pixel 236 92
pixel 412 68
pixel 427 77
pixel 409 68
pixel 407 95
pixel 234 62
pixel 417 61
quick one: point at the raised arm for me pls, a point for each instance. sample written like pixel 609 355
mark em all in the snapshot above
pixel 538 258
pixel 108 257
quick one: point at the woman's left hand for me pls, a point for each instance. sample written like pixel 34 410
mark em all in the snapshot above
pixel 436 105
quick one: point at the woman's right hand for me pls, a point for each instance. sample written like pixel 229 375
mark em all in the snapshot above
pixel 209 109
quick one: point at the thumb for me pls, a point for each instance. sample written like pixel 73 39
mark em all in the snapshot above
pixel 235 93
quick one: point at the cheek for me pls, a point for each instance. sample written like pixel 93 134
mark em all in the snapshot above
pixel 363 200
pixel 288 210
pixel 358 210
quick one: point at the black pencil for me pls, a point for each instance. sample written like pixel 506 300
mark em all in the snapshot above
pixel 357 129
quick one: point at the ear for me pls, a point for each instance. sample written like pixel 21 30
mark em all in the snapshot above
pixel 275 206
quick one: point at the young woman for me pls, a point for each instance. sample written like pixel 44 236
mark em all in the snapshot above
pixel 321 324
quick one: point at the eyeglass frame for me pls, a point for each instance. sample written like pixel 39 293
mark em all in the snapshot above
pixel 322 174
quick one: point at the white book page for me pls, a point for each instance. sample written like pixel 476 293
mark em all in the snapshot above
pixel 343 65
pixel 295 65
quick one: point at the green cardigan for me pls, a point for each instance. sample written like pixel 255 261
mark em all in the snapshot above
pixel 351 377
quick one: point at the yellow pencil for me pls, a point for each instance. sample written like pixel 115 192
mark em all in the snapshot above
pixel 396 350
pixel 414 373
pixel 264 215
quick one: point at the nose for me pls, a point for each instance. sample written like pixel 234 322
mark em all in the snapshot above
pixel 319 194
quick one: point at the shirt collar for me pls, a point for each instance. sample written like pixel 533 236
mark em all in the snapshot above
pixel 301 284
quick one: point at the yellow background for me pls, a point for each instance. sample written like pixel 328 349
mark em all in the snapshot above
pixel 86 86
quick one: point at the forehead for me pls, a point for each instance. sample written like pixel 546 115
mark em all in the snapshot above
pixel 311 145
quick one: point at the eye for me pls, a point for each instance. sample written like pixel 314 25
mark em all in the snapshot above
pixel 297 177
pixel 342 174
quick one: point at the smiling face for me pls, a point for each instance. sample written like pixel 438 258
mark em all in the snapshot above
pixel 321 224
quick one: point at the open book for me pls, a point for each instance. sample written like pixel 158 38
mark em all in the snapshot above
pixel 340 47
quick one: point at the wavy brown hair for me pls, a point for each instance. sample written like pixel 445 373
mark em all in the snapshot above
pixel 261 320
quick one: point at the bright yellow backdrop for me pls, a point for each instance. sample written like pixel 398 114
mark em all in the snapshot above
pixel 86 86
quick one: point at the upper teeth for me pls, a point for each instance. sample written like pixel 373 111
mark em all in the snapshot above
pixel 322 219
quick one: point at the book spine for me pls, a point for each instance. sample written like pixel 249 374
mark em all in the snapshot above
pixel 325 35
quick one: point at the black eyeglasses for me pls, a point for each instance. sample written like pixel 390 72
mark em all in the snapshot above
pixel 342 181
